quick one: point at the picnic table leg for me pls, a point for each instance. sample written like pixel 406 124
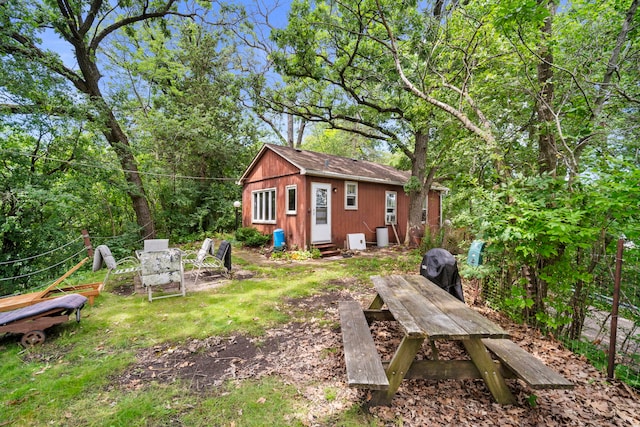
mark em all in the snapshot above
pixel 400 364
pixel 376 304
pixel 492 378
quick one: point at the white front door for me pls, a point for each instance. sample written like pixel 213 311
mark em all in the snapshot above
pixel 320 213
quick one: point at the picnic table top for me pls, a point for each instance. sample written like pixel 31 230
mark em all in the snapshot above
pixel 425 310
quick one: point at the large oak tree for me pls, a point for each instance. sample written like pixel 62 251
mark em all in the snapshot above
pixel 83 27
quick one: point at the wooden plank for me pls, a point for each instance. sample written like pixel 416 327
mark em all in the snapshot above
pixel 473 323
pixel 379 315
pixel 377 303
pixel 19 301
pixel 364 367
pixel 431 318
pixel 448 370
pixel 65 275
pixel 89 290
pixel 398 368
pixel 491 376
pixel 34 324
pixel 417 316
pixel 396 307
pixel 526 366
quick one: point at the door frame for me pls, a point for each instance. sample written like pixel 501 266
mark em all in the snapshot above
pixel 320 235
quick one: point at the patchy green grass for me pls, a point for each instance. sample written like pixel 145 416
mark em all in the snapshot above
pixel 72 379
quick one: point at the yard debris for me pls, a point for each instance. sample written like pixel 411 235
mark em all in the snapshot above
pixel 308 355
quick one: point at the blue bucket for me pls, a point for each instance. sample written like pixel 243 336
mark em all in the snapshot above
pixel 278 238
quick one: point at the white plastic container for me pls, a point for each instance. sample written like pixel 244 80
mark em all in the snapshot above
pixel 382 237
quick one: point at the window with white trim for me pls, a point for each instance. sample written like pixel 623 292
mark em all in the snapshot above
pixel 391 207
pixel 351 195
pixel 264 206
pixel 292 199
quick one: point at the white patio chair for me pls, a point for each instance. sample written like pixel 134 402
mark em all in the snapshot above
pixel 102 256
pixel 205 261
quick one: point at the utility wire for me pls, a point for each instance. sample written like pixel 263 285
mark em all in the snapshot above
pixel 44 269
pixel 63 261
pixel 42 254
pixel 100 166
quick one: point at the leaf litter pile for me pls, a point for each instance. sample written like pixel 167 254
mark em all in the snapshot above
pixel 308 355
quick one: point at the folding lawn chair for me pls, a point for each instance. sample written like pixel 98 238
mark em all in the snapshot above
pixel 205 261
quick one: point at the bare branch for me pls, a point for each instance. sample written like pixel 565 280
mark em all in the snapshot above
pixel 612 65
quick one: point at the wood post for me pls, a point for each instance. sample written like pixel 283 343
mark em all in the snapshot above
pixel 398 368
pixel 87 243
pixel 491 376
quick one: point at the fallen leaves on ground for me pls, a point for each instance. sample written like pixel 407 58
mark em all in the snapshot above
pixel 308 355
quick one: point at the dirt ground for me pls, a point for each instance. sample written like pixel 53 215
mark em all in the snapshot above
pixel 309 356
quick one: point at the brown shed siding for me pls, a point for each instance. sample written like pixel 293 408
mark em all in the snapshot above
pixel 433 211
pixel 369 215
pixel 292 224
pixel 272 169
pixel 271 166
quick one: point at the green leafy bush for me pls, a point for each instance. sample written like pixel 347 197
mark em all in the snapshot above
pixel 251 237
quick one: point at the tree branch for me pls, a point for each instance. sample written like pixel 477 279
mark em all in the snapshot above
pixel 612 65
pixel 28 50
pixel 144 15
pixel 85 25
pixel 409 86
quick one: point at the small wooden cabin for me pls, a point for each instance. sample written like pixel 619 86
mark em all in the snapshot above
pixel 318 198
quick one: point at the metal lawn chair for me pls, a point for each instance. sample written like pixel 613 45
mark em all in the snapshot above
pixel 205 261
pixel 102 256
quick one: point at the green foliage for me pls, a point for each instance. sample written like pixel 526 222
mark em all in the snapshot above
pixel 345 144
pixel 250 236
pixel 198 138
pixel 517 302
pixel 47 200
pixel 532 400
pixel 296 255
pixel 544 242
pixel 413 185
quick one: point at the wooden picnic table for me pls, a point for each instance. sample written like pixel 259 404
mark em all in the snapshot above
pixel 425 312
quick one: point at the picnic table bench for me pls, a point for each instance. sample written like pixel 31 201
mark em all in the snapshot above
pixel 425 312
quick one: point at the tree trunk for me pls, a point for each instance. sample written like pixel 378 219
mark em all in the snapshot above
pixel 120 143
pixel 547 158
pixel 417 195
pixel 578 304
pixel 117 138
pixel 290 130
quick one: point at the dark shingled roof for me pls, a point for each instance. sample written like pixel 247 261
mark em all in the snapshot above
pixel 328 165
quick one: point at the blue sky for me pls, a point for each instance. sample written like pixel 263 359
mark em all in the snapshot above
pixel 277 10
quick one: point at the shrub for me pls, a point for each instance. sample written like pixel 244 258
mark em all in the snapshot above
pixel 249 236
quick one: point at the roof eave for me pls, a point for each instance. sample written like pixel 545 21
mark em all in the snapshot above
pixel 326 174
